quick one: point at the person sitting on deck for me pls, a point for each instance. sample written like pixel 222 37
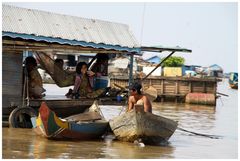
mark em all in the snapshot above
pixel 35 85
pixel 101 65
pixel 137 98
pixel 100 68
pixel 83 85
pixel 59 67
pixel 59 63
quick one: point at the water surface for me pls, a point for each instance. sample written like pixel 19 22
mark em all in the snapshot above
pixel 220 120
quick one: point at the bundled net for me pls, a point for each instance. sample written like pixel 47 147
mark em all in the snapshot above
pixel 61 77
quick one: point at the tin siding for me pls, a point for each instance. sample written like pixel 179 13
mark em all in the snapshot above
pixel 11 80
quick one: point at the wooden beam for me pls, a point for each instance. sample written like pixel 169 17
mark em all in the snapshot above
pixel 59 50
pixel 42 46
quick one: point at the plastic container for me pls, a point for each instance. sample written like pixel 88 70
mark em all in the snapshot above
pixel 119 98
pixel 101 82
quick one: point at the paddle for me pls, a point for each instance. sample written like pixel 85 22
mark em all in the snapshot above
pixel 204 135
pixel 222 94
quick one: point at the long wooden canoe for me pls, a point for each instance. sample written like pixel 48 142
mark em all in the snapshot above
pixel 85 126
pixel 139 125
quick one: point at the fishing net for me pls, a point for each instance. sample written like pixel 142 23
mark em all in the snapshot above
pixel 61 77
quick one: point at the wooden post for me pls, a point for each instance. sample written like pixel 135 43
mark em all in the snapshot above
pixel 204 87
pixel 162 90
pixel 176 90
pixel 130 70
pixel 190 86
pixel 215 92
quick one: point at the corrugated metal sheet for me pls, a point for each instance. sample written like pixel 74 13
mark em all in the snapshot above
pixel 45 24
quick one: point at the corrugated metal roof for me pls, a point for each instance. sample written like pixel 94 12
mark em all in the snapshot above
pixel 215 67
pixel 45 24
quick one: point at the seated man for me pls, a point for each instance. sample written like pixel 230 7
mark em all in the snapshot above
pixel 35 85
pixel 137 98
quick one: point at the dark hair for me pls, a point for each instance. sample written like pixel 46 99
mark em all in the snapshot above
pixel 102 56
pixel 136 86
pixel 58 61
pixel 30 60
pixel 79 67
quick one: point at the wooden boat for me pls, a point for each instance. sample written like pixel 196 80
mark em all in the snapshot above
pixel 63 107
pixel 233 80
pixel 141 126
pixel 20 117
pixel 84 126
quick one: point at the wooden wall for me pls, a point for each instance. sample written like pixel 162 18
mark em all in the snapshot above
pixel 175 86
pixel 11 80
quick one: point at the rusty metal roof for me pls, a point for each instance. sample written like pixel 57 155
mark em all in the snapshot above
pixel 43 24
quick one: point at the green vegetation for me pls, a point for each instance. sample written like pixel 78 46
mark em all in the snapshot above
pixel 174 61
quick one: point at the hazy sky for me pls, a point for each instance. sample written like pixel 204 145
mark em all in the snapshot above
pixel 209 29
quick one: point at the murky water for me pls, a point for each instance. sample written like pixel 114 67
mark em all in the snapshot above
pixel 222 120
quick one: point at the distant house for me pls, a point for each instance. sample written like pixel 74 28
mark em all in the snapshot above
pixel 215 67
pixel 119 66
pixel 154 59
pixel 190 69
pixel 215 70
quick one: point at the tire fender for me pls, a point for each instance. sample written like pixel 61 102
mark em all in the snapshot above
pixel 20 117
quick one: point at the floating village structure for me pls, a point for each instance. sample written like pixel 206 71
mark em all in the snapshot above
pixel 34 30
pixel 25 30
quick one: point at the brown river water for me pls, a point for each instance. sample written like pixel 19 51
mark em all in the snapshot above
pixel 221 120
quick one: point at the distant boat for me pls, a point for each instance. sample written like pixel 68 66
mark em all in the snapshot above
pixel 142 126
pixel 84 126
pixel 233 80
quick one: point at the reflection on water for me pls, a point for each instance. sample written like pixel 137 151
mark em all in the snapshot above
pixel 125 150
pixel 222 120
pixel 28 145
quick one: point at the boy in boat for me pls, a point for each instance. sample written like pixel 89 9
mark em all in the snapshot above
pixel 137 98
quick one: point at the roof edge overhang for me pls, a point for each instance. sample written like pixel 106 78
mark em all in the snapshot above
pixel 161 49
pixel 136 50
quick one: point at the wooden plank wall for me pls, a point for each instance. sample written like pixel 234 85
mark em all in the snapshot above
pixel 167 86
pixel 11 80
